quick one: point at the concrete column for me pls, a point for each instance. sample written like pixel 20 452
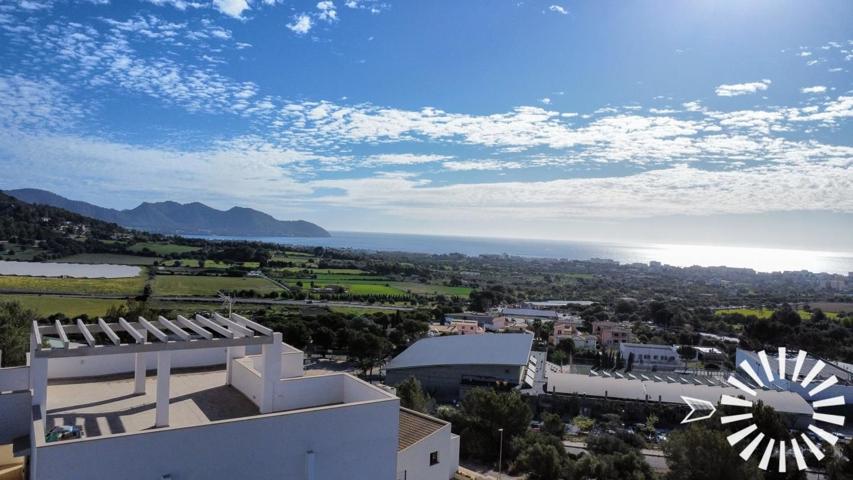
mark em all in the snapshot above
pixel 139 367
pixel 164 372
pixel 271 358
pixel 309 466
pixel 38 383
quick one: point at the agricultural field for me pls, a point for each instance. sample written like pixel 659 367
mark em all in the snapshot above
pixel 372 289
pixel 429 289
pixel 193 263
pixel 191 285
pixel 71 307
pixel 162 248
pixel 765 313
pixel 108 258
pixel 102 286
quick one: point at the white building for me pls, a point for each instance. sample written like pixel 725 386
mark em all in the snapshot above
pixel 648 356
pixel 258 416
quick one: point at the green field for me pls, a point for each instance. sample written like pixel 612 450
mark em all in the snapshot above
pixel 162 248
pixel 428 289
pixel 46 305
pixel 372 289
pixel 110 286
pixel 766 312
pixel 108 258
pixel 190 285
pixel 193 263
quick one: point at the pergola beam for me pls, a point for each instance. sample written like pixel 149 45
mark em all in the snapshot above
pixel 183 334
pixel 233 326
pixel 138 337
pixel 62 335
pixel 90 339
pixel 253 325
pixel 153 330
pixel 213 326
pixel 195 328
pixel 36 333
pixel 109 331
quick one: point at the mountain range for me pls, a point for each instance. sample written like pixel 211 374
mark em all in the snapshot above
pixel 179 218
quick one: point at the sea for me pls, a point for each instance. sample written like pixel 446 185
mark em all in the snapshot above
pixel 759 259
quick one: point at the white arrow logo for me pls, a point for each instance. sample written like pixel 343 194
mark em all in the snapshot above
pixel 698 405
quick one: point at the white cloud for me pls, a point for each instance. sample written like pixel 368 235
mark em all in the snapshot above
pixel 679 190
pixel 545 100
pixel 179 4
pixel 301 24
pixel 814 89
pixel 737 89
pixel 480 165
pixel 558 9
pixel 402 159
pixel 232 8
pixel 327 10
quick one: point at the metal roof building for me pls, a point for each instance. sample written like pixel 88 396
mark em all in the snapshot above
pixel 529 312
pixel 487 349
pixel 446 365
pixel 630 389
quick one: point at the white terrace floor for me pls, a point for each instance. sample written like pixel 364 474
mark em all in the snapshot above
pixel 108 406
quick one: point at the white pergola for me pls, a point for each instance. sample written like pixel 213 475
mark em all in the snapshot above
pixel 147 337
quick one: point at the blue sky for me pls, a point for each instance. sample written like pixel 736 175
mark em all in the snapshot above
pixel 602 120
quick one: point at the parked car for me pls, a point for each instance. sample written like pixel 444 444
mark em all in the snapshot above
pixel 63 432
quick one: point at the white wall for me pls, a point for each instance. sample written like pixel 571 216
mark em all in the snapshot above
pixel 14 378
pixel 247 381
pixel 292 361
pixel 95 365
pixel 413 462
pixel 349 442
pixel 15 415
pixel 309 392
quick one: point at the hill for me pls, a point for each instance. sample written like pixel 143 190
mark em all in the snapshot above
pixel 57 231
pixel 176 218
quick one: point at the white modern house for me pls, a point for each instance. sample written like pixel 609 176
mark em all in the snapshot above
pixel 229 400
pixel 649 356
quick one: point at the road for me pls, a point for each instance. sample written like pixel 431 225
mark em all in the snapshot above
pixel 654 458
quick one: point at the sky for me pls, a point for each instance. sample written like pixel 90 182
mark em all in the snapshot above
pixel 705 122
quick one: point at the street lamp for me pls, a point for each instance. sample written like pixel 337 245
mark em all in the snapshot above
pixel 500 453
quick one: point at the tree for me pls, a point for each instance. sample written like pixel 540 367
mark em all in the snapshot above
pixel 412 395
pixel 553 425
pixel 483 411
pixel 15 325
pixel 617 461
pixel 700 453
pixel 583 423
pixel 542 457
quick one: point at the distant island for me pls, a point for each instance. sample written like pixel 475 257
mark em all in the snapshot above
pixel 179 219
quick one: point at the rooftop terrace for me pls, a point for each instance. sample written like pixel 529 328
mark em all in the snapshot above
pixel 105 405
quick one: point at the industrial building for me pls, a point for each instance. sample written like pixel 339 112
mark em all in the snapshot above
pixel 638 388
pixel 446 366
pixel 243 409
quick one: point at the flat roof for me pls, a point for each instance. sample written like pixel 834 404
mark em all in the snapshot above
pixel 629 389
pixel 529 312
pixel 647 345
pixel 106 405
pixel 485 349
pixel 416 426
